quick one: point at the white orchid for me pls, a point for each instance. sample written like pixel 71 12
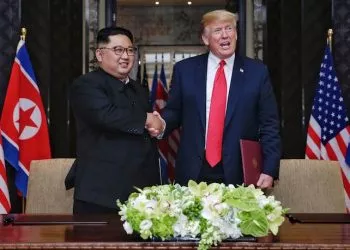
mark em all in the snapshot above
pixel 127 227
pixel 145 225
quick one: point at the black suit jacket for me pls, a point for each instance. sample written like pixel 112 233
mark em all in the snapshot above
pixel 114 151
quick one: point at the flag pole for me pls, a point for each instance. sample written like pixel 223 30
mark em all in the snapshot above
pixel 23 38
pixel 329 38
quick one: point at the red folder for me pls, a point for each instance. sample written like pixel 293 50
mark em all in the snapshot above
pixel 252 161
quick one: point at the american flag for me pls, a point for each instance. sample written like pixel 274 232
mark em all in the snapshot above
pixel 329 129
pixel 5 205
pixel 167 146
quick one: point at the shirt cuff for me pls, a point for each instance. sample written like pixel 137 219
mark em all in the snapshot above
pixel 160 136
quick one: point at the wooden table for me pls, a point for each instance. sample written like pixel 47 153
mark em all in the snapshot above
pixel 106 232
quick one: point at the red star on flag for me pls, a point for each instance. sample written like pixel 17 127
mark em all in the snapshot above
pixel 25 119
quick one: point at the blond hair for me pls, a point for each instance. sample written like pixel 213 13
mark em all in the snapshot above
pixel 217 15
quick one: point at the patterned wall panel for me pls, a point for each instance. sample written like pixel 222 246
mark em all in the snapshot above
pixel 166 25
pixel 92 24
pixel 9 36
pixel 341 46
pixel 259 23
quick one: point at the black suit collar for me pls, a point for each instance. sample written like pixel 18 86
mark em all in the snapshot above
pixel 130 84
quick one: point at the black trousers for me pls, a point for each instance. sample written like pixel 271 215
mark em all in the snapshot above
pixel 83 207
pixel 210 174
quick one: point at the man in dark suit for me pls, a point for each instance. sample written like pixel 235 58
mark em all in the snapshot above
pixel 217 99
pixel 115 152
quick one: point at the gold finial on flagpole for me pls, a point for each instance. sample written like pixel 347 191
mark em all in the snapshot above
pixel 23 34
pixel 329 38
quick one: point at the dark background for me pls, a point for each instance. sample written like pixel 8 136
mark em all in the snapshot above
pixel 295 39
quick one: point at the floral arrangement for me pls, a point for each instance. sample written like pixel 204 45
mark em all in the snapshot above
pixel 213 212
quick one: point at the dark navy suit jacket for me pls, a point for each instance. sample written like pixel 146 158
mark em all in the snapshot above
pixel 251 114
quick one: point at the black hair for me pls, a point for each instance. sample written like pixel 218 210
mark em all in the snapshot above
pixel 104 34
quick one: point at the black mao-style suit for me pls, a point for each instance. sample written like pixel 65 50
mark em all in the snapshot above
pixel 114 151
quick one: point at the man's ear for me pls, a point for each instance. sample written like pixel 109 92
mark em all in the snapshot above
pixel 205 39
pixel 98 54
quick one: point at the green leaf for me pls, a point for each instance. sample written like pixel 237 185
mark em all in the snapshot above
pixel 242 198
pixel 254 223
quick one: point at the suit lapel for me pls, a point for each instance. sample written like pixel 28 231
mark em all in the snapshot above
pixel 200 85
pixel 237 84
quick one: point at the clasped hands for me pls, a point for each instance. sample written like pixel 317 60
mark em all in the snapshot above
pixel 154 124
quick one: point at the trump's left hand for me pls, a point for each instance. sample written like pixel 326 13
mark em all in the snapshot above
pixel 265 181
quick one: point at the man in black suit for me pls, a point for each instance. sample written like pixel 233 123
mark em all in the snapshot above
pixel 115 153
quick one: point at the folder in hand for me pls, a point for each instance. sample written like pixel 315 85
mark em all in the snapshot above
pixel 252 161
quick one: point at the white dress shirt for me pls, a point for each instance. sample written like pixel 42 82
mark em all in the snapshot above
pixel 213 65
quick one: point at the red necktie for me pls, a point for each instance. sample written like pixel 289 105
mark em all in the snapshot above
pixel 216 117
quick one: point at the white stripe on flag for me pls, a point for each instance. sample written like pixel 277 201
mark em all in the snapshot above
pixel 347 200
pixel 2 209
pixel 24 168
pixel 324 153
pixel 3 187
pixel 311 144
pixel 32 82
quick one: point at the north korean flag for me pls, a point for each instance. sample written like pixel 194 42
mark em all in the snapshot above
pixel 23 120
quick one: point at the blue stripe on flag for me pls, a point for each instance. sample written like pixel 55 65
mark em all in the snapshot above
pixel 21 181
pixel 164 169
pixel 12 157
pixel 23 57
pixel 347 157
pixel 11 153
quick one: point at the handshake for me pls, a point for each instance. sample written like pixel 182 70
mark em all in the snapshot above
pixel 155 124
